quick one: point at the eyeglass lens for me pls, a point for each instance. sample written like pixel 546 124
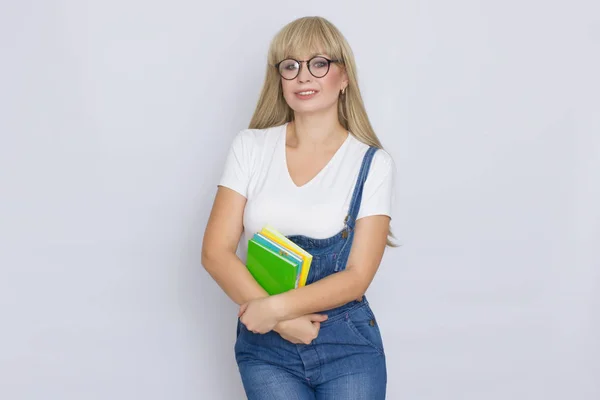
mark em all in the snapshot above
pixel 317 66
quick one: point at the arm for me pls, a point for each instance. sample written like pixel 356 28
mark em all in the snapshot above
pixel 221 237
pixel 370 237
pixel 367 250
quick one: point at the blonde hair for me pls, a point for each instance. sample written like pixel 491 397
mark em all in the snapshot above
pixel 303 36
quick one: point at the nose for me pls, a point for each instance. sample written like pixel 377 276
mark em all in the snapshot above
pixel 304 75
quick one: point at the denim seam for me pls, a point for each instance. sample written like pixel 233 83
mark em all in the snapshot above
pixel 320 364
pixel 343 313
pixel 341 253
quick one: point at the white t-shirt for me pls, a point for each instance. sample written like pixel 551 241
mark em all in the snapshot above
pixel 256 168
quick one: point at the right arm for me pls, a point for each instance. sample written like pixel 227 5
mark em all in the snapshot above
pixel 219 258
pixel 221 237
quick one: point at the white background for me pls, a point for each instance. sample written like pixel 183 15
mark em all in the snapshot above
pixel 115 118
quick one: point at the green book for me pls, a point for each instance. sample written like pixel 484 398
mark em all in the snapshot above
pixel 282 251
pixel 275 273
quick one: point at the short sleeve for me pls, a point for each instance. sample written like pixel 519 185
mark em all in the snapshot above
pixel 379 189
pixel 237 170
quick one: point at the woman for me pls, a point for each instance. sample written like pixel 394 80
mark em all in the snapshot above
pixel 311 166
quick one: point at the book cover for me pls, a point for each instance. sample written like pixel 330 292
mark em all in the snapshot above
pixel 271 233
pixel 275 273
pixel 282 251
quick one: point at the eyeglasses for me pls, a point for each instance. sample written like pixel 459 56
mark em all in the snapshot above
pixel 318 67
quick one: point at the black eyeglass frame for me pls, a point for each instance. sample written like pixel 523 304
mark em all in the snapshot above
pixel 329 61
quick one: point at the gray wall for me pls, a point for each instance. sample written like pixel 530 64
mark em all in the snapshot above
pixel 115 118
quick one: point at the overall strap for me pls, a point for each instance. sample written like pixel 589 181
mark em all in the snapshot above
pixel 358 187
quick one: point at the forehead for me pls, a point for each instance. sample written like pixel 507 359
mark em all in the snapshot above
pixel 306 54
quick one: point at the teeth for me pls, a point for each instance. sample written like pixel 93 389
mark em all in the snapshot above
pixel 307 93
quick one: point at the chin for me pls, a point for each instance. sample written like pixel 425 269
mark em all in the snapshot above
pixel 310 108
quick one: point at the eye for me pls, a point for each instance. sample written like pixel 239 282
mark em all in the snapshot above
pixel 288 65
pixel 319 63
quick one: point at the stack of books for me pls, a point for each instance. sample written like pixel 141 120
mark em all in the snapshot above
pixel 277 263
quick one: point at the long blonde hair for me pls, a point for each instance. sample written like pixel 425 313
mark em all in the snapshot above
pixel 306 35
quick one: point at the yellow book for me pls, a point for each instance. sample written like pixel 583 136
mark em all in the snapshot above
pixel 277 237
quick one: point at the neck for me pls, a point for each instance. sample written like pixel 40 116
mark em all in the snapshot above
pixel 311 130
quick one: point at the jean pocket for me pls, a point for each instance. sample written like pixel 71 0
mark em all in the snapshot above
pixel 363 324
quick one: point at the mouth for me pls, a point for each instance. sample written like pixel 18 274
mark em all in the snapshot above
pixel 306 94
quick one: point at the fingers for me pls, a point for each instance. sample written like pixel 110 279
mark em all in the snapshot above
pixel 318 317
pixel 292 339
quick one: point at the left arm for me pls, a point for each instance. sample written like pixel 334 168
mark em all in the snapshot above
pixel 367 250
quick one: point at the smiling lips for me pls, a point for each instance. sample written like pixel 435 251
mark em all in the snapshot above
pixel 306 94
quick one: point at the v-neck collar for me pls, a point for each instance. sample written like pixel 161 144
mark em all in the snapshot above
pixel 283 139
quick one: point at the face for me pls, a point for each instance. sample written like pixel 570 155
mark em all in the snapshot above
pixel 309 94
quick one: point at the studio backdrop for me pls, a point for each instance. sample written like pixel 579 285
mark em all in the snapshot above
pixel 115 120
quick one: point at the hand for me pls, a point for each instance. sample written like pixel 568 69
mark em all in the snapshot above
pixel 261 315
pixel 301 330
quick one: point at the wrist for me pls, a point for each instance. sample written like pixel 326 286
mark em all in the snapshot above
pixel 278 304
pixel 280 326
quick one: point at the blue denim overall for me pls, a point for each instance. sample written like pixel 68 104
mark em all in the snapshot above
pixel 346 361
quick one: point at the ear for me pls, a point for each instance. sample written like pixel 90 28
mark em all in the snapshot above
pixel 345 79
